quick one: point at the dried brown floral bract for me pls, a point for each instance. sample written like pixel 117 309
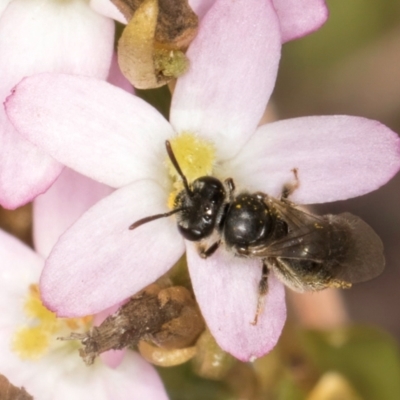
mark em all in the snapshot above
pixel 168 317
pixel 176 22
pixel 150 50
pixel 11 392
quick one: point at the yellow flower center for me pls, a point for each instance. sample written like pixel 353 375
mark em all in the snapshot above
pixel 39 335
pixel 195 156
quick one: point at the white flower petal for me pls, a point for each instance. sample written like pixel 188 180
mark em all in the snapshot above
pixel 107 8
pixel 56 210
pixel 226 288
pixel 91 126
pixel 36 36
pixel 336 157
pixel 20 266
pixel 46 35
pixel 99 261
pixel 234 62
pixel 61 373
pixel 298 18
pixel 26 171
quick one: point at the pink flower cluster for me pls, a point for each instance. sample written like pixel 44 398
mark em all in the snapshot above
pixel 63 113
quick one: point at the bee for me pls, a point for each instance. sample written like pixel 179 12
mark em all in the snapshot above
pixel 307 252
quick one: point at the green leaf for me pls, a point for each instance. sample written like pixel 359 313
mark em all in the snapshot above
pixel 367 357
pixel 289 390
pixel 182 384
pixel 159 98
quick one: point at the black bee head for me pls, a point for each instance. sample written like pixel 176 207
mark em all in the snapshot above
pixel 200 206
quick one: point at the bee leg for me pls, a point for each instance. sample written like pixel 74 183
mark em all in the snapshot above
pixel 289 188
pixel 262 291
pixel 205 253
pixel 231 187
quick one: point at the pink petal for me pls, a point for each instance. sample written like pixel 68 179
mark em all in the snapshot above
pixel 238 41
pixel 91 126
pixel 226 288
pixel 19 267
pixel 57 209
pixel 107 8
pixel 200 7
pixel 71 195
pixel 116 78
pixel 63 376
pixel 3 6
pixel 25 170
pixel 135 377
pixel 298 18
pixel 60 374
pixel 113 358
pixel 40 36
pixel 337 157
pixel 100 262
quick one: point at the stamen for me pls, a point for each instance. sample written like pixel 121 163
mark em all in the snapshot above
pixel 194 155
pixel 38 336
pixel 34 309
pixel 31 343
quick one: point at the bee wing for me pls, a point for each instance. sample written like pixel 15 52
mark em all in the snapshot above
pixel 343 244
pixel 365 259
pixel 306 237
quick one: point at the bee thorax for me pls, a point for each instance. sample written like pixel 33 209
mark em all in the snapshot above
pixel 247 221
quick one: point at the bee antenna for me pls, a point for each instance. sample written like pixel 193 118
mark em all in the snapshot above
pixel 174 161
pixel 154 217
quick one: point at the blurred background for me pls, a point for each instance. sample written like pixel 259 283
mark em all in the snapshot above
pixel 352 66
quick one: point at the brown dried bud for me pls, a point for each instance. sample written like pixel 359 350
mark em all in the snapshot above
pixel 176 24
pixel 211 362
pixel 331 386
pixel 183 330
pixel 150 48
pixel 11 392
pixel 168 317
pixel 18 222
pixel 165 357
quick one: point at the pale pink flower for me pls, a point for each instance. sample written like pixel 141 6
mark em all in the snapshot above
pixel 119 140
pixel 3 5
pixel 71 194
pixel 38 36
pixel 297 18
pixel 60 373
pixel 56 210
